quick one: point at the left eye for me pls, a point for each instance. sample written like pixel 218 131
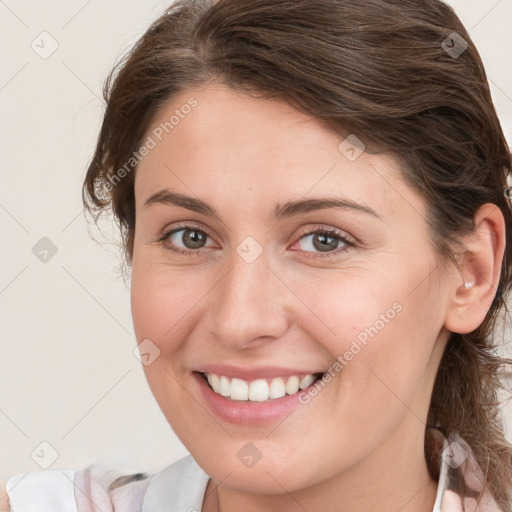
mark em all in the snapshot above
pixel 323 241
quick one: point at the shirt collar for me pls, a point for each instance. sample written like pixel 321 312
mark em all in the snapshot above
pixel 461 480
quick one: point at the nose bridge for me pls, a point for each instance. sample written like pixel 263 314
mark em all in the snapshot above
pixel 247 303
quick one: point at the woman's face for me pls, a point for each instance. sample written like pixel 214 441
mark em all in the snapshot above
pixel 243 269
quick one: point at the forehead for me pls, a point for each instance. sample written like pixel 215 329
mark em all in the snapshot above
pixel 214 141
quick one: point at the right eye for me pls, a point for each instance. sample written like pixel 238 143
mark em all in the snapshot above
pixel 191 239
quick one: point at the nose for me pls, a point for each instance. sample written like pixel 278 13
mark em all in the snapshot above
pixel 249 304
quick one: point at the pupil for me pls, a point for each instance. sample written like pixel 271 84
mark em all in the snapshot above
pixel 324 241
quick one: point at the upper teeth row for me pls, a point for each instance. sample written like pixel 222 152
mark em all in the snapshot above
pixel 258 390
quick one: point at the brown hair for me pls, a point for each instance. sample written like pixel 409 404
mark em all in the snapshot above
pixel 391 71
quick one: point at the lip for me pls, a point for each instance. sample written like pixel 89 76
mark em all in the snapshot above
pixel 247 414
pixel 249 374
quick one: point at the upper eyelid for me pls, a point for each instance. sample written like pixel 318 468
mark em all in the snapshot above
pixel 331 230
pixel 166 231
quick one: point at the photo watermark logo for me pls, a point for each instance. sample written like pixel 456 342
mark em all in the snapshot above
pixel 151 142
pixel 358 343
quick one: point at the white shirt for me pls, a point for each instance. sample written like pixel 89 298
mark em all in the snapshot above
pixel 180 487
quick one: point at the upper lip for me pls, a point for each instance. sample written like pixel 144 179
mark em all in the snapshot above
pixel 249 374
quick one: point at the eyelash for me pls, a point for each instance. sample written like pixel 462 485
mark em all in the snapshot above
pixel 331 232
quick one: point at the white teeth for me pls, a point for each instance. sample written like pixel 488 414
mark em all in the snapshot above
pixel 239 389
pixel 277 388
pixel 213 380
pixel 224 386
pixel 258 390
pixel 292 386
pixel 306 381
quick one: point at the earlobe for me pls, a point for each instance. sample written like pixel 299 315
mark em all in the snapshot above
pixel 472 293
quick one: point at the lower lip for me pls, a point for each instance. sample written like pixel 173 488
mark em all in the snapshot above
pixel 247 413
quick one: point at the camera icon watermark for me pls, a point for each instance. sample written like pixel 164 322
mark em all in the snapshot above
pixel 455 455
pixel 146 352
pixel 249 455
pixel 249 249
pixel 352 147
pixel 454 45
pixel 44 454
pixel 45 45
pixel 44 250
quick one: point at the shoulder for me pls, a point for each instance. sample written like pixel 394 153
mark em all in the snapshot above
pixel 108 490
pixel 182 483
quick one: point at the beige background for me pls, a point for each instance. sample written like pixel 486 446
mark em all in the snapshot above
pixel 68 376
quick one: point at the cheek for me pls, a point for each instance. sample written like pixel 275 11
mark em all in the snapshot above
pixel 350 306
pixel 393 300
pixel 382 330
pixel 163 303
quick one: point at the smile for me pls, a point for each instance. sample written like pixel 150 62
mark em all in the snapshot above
pixel 260 390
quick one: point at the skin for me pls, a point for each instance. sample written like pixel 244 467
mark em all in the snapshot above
pixel 358 444
pixel 361 439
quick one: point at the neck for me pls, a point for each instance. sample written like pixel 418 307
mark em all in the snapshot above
pixel 394 477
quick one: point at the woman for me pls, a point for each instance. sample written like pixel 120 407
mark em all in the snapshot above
pixel 312 199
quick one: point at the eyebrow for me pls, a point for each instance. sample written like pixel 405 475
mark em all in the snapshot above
pixel 281 211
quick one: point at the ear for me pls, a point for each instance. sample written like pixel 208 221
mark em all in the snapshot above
pixel 472 293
